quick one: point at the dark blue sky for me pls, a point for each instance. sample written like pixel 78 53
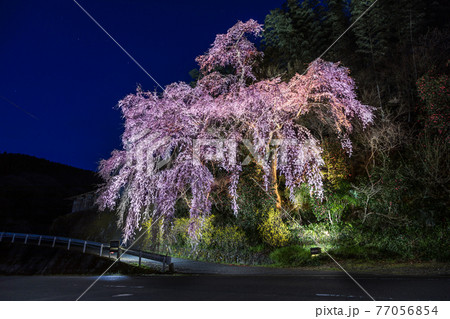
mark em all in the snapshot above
pixel 61 76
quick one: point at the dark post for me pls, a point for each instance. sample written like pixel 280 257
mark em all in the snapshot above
pixel 114 247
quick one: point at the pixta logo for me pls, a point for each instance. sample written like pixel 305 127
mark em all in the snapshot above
pixel 337 311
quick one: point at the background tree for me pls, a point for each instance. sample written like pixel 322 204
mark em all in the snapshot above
pixel 388 50
pixel 293 37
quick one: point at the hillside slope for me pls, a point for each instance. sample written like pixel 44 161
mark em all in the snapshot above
pixel 18 259
pixel 34 191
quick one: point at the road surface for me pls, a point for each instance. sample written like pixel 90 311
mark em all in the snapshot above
pixel 321 286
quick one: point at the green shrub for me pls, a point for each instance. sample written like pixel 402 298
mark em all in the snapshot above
pixel 421 243
pixel 401 242
pixel 179 232
pixel 317 234
pixel 336 168
pixel 252 198
pixel 217 242
pixel 291 256
pixel 273 230
pixel 361 252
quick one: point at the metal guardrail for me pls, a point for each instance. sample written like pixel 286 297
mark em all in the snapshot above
pixel 87 246
pixel 165 260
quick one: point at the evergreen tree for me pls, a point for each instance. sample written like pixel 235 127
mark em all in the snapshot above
pixel 293 37
pixel 371 34
pixel 336 22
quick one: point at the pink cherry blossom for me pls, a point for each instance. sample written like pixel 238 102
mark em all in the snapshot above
pixel 161 159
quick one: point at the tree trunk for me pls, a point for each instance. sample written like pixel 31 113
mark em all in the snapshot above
pixel 275 181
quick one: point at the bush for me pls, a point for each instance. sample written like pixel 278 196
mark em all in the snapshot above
pixel 179 231
pixel 332 208
pixel 217 243
pixel 252 199
pixel 273 230
pixel 361 252
pixel 291 256
pixel 319 234
pixel 434 91
pixel 336 169
pixel 382 197
pixel 401 242
pixel 418 243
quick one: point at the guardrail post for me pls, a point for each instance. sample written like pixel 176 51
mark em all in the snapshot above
pixel 84 247
pixel 54 241
pixel 140 256
pixel 164 264
pixel 101 249
pixel 26 239
pixel 14 236
pixel 68 244
pixel 39 242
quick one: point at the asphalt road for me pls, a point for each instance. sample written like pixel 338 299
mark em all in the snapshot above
pixel 224 287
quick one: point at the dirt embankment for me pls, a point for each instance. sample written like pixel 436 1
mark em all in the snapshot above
pixel 18 259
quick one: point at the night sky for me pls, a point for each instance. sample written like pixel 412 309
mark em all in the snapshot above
pixel 61 76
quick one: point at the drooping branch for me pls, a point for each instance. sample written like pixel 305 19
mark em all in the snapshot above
pixel 170 139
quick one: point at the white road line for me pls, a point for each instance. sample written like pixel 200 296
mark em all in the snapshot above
pixel 122 295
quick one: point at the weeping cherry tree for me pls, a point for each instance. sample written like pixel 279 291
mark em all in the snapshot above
pixel 172 138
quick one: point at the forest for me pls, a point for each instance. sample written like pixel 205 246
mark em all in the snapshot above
pixel 325 126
